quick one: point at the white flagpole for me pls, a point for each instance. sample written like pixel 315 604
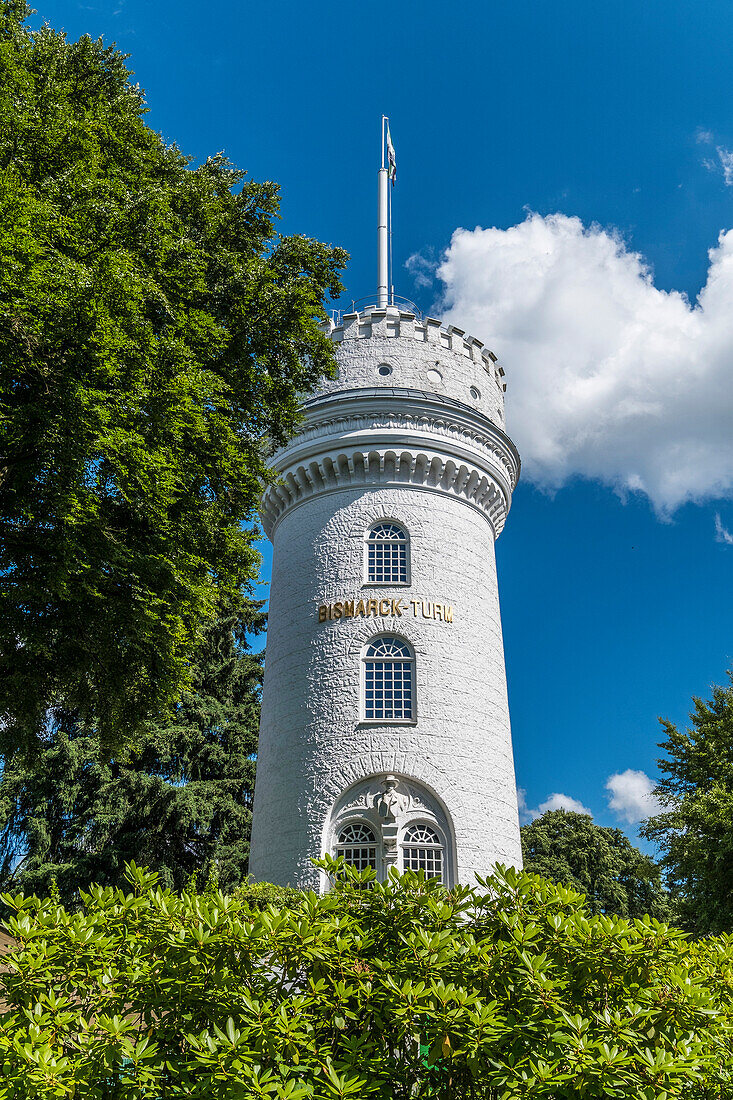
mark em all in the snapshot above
pixel 383 233
pixel 389 214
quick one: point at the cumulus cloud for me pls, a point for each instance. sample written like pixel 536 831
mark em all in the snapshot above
pixel 609 377
pixel 554 802
pixel 631 795
pixel 722 534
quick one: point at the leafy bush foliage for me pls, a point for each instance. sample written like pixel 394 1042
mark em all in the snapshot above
pixel 402 990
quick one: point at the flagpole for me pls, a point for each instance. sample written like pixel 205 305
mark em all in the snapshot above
pixel 391 276
pixel 383 232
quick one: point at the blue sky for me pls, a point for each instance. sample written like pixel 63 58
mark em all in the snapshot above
pixel 616 561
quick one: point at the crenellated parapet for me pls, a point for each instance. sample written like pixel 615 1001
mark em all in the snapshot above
pixel 393 322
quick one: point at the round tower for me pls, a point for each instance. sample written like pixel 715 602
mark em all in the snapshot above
pixel 385 731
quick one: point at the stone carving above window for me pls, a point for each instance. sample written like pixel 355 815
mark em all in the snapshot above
pixel 402 816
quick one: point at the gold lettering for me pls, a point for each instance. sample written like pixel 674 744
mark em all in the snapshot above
pixel 352 609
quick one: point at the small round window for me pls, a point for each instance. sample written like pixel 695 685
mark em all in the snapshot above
pixel 435 377
pixel 475 394
pixel 384 369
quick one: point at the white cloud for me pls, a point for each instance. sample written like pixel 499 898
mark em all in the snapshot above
pixel 609 377
pixel 726 163
pixel 722 534
pixel 563 802
pixel 554 802
pixel 632 795
pixel 525 814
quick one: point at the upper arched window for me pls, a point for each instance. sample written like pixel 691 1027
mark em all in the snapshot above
pixel 358 846
pixel 388 680
pixel 387 555
pixel 422 850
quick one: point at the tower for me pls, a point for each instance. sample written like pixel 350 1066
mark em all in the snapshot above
pixel 385 732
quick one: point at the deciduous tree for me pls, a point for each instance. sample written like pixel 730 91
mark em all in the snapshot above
pixel 695 830
pixel 602 863
pixel 155 332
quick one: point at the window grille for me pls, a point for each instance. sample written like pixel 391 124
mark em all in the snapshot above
pixel 388 679
pixel 387 554
pixel 423 851
pixel 358 845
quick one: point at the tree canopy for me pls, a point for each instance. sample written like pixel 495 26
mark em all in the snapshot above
pixel 179 802
pixel 602 863
pixel 155 333
pixel 405 990
pixel 695 829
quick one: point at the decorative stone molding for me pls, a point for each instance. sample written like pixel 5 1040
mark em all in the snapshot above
pixel 361 439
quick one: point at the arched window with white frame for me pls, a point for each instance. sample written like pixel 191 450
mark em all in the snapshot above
pixel 422 850
pixel 387 554
pixel 357 844
pixel 389 675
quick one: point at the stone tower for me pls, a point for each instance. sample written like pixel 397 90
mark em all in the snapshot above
pixel 385 728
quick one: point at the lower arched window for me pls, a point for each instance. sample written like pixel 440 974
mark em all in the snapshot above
pixel 422 851
pixel 358 846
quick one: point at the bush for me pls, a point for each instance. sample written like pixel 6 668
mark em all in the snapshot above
pixel 399 991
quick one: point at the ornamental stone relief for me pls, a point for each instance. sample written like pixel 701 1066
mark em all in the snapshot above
pixel 425 425
pixel 386 801
pixel 438 473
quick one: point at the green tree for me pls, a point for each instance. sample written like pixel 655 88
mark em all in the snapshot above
pixel 602 863
pixel 155 332
pixel 513 990
pixel 695 830
pixel 180 801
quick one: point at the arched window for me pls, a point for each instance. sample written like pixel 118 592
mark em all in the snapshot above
pixel 388 680
pixel 387 554
pixel 358 846
pixel 422 851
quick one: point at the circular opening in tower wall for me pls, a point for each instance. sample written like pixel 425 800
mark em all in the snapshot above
pixel 384 369
pixel 475 394
pixel 435 377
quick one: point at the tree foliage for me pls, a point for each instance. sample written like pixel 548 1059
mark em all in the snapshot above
pixel 154 331
pixel 602 863
pixel 405 990
pixel 695 830
pixel 180 801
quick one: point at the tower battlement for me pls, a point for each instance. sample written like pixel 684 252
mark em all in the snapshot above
pixel 392 321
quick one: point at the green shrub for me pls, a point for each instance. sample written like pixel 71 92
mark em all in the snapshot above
pixel 404 990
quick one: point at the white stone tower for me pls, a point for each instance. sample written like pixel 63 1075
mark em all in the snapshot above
pixel 385 728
